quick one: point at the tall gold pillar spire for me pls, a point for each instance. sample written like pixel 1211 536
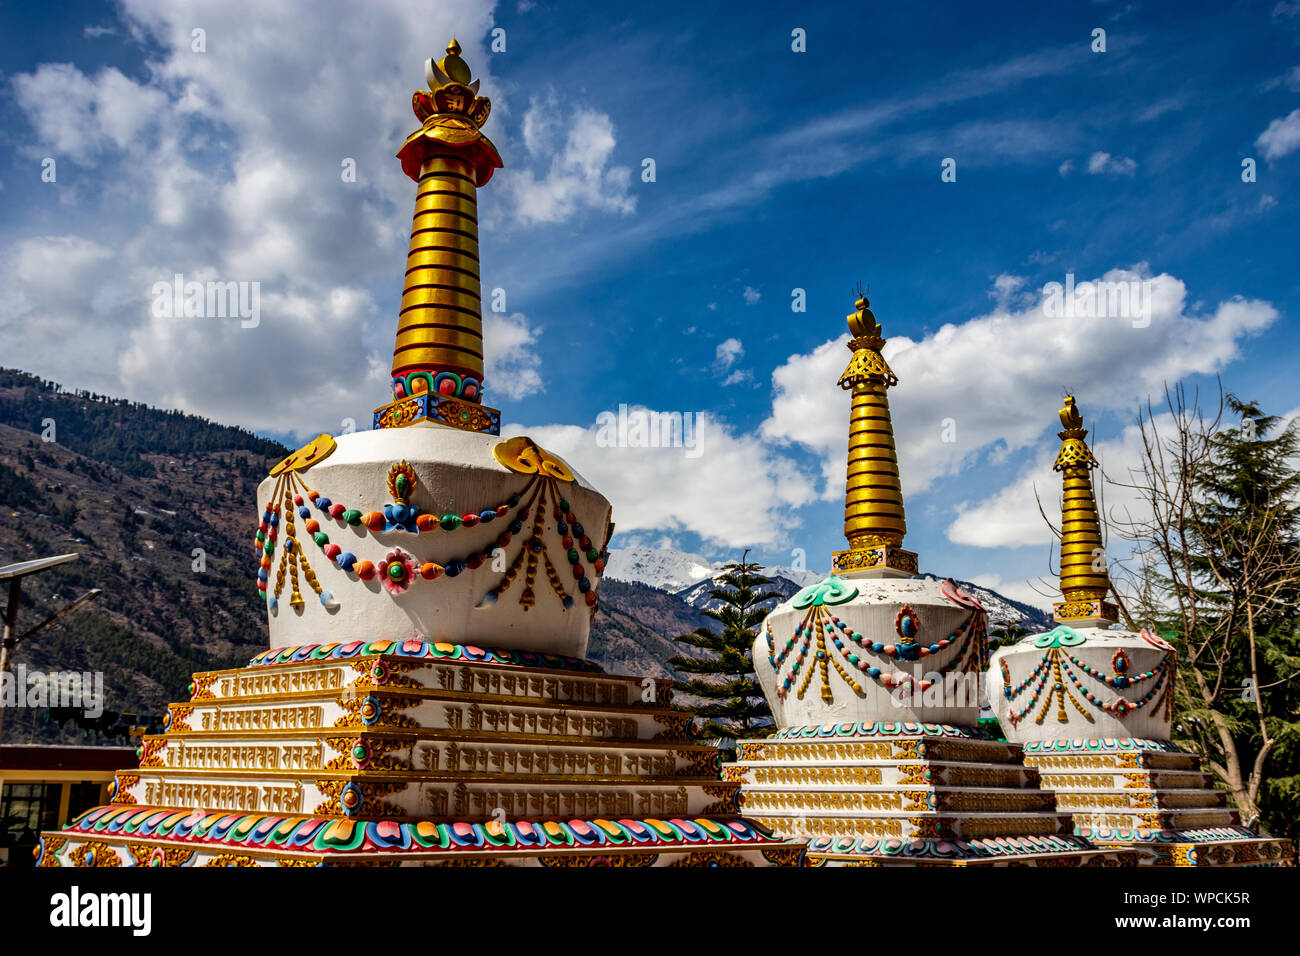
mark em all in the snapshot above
pixel 1084 581
pixel 438 355
pixel 874 523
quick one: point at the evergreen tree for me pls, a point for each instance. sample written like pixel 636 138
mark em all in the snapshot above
pixel 1221 580
pixel 1250 523
pixel 725 676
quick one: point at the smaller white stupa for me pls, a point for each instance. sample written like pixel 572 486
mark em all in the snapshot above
pixel 873 676
pixel 1092 705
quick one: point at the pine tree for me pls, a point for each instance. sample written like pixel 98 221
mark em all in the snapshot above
pixel 1221 579
pixel 1251 491
pixel 725 678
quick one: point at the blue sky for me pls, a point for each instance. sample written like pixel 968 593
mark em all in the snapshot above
pixel 775 170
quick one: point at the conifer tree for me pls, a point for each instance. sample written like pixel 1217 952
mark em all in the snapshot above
pixel 1219 550
pixel 725 675
pixel 1247 549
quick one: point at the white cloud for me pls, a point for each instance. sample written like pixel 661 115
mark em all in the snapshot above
pixel 728 353
pixel 1103 163
pixel 1066 167
pixel 512 363
pixel 77 117
pixel 728 489
pixel 578 146
pixel 1041 596
pixel 1010 517
pixel 226 165
pixel 951 381
pixel 752 295
pixel 1282 136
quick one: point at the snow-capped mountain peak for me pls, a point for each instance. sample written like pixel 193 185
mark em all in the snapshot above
pixel 659 568
pixel 691 576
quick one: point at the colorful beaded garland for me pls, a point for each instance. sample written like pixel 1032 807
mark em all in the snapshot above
pixel 1058 666
pixel 818 622
pixel 399 570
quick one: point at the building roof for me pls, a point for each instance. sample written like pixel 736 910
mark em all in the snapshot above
pixel 23 568
pixel 65 757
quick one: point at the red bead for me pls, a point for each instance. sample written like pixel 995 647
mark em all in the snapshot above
pixel 474 561
pixel 584 542
pixel 331 551
pixel 297 499
pixel 336 510
pixel 503 538
pixel 567 541
pixel 469 520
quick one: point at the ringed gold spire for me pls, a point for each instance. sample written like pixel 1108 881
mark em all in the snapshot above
pixel 438 355
pixel 1085 583
pixel 874 523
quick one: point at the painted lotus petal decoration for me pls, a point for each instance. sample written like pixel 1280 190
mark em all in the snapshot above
pixel 955 594
pixel 831 591
pixel 1154 640
pixel 398 571
pixel 1060 637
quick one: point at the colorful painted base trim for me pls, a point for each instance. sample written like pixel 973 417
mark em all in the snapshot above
pixel 421 649
pixel 1144 835
pixel 313 834
pixel 880 729
pixel 1095 745
pixel 947 849
pixel 1256 852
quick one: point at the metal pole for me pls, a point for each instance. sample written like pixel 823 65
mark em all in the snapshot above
pixel 10 640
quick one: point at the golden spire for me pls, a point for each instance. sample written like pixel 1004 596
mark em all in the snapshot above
pixel 873 501
pixel 1084 581
pixel 438 355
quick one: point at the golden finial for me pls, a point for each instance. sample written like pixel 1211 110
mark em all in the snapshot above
pixel 874 523
pixel 1084 580
pixel 438 353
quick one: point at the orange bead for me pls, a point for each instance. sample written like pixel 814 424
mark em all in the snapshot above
pixel 426 523
pixel 374 520
pixel 430 571
pixel 312 526
pixel 365 570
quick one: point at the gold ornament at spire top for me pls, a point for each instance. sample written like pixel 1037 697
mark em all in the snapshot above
pixel 874 522
pixel 438 355
pixel 1084 580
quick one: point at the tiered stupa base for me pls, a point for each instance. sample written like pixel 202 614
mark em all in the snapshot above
pixel 908 793
pixel 410 753
pixel 1150 796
